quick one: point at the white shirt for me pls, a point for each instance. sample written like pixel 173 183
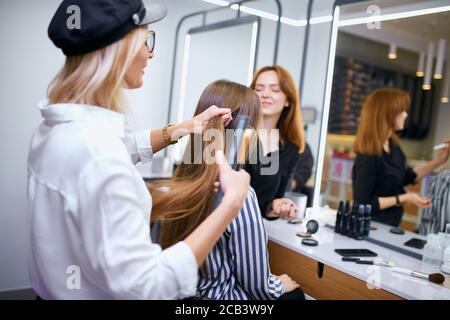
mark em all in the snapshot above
pixel 89 212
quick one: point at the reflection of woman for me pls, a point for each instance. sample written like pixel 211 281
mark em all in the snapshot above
pixel 88 205
pixel 380 171
pixel 238 266
pixel 280 108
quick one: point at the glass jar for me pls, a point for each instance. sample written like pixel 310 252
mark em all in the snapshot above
pixel 432 254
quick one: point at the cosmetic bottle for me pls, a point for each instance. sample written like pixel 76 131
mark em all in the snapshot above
pixel 337 226
pixel 358 230
pixel 352 220
pixel 345 225
pixel 367 218
pixel 344 217
pixel 432 254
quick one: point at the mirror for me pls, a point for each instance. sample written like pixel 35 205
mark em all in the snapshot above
pixel 227 46
pixel 205 51
pixel 390 53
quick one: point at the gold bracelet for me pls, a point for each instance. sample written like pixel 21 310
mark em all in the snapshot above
pixel 166 137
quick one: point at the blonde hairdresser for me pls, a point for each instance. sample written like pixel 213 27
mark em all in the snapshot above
pixel 89 207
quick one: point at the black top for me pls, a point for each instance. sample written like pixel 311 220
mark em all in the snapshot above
pixel 273 185
pixel 303 169
pixel 382 176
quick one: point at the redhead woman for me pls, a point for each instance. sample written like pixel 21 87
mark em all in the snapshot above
pixel 281 140
pixel 88 217
pixel 380 171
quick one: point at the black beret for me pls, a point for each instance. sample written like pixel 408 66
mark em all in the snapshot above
pixel 82 26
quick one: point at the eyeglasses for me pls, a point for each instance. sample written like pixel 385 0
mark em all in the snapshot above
pixel 150 41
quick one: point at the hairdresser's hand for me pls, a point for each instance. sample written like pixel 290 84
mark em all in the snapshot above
pixel 199 122
pixel 284 208
pixel 417 200
pixel 288 284
pixel 234 184
pixel 194 125
pixel 442 155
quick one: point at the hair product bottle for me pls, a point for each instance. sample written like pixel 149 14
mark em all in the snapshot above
pixel 358 233
pixel 352 220
pixel 367 219
pixel 345 218
pixel 337 226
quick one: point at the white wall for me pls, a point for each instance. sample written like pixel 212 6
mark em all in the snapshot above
pixel 28 61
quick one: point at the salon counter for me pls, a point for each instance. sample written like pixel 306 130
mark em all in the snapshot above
pixel 323 275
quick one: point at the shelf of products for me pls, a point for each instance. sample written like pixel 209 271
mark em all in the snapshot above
pixel 354 80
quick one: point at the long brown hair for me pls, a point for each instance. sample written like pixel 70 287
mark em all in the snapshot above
pixel 378 119
pixel 183 202
pixel 290 123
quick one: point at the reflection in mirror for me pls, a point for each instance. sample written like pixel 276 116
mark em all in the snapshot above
pixel 388 109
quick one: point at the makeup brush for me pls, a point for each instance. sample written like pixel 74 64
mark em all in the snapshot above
pixel 433 277
pixel 375 261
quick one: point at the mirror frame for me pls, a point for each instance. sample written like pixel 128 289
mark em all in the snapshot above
pixel 427 9
pixel 253 20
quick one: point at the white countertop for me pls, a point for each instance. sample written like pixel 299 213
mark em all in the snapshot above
pixel 408 287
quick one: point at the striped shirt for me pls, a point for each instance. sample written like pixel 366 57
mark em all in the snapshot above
pixel 238 266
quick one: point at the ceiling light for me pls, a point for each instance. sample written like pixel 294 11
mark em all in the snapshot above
pixel 271 16
pixel 259 13
pixel 430 56
pixel 293 22
pixel 323 19
pixel 421 64
pixel 392 16
pixel 440 59
pixel 446 84
pixel 392 51
pixel 218 2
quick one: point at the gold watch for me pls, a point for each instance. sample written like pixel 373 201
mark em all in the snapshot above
pixel 166 136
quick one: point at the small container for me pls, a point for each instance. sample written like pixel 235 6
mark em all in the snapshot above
pixel 446 261
pixel 445 245
pixel 445 237
pixel 432 253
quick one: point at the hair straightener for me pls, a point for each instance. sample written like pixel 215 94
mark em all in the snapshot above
pixel 233 150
